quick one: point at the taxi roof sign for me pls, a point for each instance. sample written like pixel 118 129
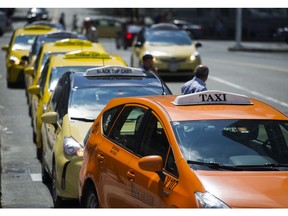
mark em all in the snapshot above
pixel 86 54
pixel 37 27
pixel 211 97
pixel 73 42
pixel 115 71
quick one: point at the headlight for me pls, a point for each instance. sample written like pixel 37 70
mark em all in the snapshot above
pixel 14 60
pixel 207 200
pixel 72 147
pixel 195 55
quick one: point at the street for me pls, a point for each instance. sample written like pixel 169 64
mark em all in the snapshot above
pixel 261 75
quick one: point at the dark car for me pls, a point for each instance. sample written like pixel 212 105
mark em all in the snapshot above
pixel 126 36
pixel 281 34
pixel 36 14
pixel 195 31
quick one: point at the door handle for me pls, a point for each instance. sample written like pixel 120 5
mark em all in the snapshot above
pixel 100 158
pixel 130 175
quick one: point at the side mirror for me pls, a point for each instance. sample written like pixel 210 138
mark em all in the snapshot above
pixel 29 71
pixel 34 90
pixel 198 44
pixel 153 163
pixel 25 58
pixel 5 47
pixel 49 117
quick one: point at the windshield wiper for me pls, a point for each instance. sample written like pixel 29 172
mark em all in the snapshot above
pixel 83 119
pixel 214 165
pixel 264 167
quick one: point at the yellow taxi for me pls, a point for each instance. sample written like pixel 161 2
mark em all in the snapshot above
pixel 73 106
pixel 174 52
pixel 53 68
pixel 33 73
pixel 211 149
pixel 20 45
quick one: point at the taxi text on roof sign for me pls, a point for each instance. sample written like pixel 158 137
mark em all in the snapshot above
pixel 114 70
pixel 211 97
pixel 87 54
pixel 73 42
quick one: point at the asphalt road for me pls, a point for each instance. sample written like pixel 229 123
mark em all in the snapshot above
pixel 261 75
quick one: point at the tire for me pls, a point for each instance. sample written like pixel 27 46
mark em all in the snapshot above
pixel 90 199
pixel 57 200
pixel 39 154
pixel 45 175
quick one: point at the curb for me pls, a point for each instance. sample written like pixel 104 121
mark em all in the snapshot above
pixel 255 49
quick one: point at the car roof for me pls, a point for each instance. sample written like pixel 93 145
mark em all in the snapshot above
pixel 68 44
pixel 215 110
pixel 92 77
pixel 34 29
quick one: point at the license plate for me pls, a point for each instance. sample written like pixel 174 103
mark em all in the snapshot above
pixel 173 67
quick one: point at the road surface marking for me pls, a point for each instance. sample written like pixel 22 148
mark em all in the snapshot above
pixel 249 91
pixel 36 176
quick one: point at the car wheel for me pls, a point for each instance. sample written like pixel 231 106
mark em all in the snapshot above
pixel 57 201
pixel 90 199
pixel 39 153
pixel 45 175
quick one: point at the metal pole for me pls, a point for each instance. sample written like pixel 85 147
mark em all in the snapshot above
pixel 238 27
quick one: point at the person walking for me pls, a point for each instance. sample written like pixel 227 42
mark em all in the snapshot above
pixel 89 30
pixel 148 63
pixel 62 20
pixel 75 23
pixel 197 84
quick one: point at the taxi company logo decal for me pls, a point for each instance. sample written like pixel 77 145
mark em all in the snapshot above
pixel 170 183
pixel 142 196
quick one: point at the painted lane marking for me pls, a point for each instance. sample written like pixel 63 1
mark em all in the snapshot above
pixel 249 91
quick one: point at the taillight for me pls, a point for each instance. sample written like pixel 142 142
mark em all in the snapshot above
pixel 129 36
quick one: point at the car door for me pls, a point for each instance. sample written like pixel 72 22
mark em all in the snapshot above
pixel 58 104
pixel 144 188
pixel 114 156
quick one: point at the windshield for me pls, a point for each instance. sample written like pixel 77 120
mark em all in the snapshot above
pixel 87 103
pixel 168 38
pixel 57 72
pixel 23 42
pixel 234 142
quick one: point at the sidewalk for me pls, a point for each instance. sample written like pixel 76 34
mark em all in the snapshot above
pixel 279 47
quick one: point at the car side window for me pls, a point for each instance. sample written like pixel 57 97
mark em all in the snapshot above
pixel 109 118
pixel 43 76
pixel 170 166
pixel 60 97
pixel 125 131
pixel 154 140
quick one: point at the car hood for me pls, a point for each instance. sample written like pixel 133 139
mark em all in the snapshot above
pixel 170 51
pixel 247 189
pixel 79 130
pixel 19 53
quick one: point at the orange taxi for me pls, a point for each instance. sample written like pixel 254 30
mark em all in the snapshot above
pixel 210 149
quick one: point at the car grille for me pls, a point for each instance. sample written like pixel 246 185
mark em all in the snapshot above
pixel 172 60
